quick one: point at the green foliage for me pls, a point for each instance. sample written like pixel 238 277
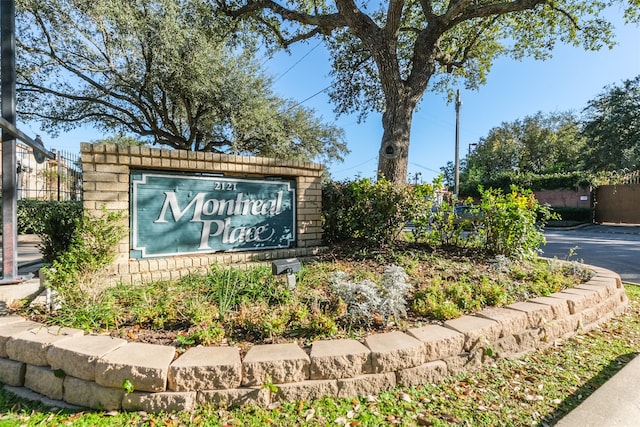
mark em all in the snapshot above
pixel 31 216
pixel 504 181
pixel 559 150
pixel 512 222
pixel 74 274
pixel 57 229
pixel 260 307
pixel 173 72
pixel 611 128
pixel 442 298
pixel 371 211
pixel 502 224
pixel 536 145
pixel 53 222
pixel 446 227
pixel 539 388
pixel 127 386
pixel 380 67
pixel 203 334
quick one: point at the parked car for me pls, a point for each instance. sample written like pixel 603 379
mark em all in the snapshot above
pixel 469 216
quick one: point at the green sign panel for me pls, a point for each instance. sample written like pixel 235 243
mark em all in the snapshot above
pixel 175 214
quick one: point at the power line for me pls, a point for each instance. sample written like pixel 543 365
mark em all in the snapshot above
pixel 356 166
pixel 306 99
pixel 297 62
pixel 423 167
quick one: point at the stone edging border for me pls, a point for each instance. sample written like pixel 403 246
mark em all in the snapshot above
pixel 89 370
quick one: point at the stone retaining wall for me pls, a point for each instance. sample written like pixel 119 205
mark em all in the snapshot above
pixel 89 370
pixel 106 180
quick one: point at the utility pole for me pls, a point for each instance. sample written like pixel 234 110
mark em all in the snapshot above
pixel 457 166
pixel 9 135
pixel 9 167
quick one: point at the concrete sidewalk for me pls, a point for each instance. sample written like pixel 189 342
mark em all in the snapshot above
pixel 29 263
pixel 615 404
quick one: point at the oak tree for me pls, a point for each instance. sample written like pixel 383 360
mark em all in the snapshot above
pixel 171 72
pixel 386 54
pixel 539 144
pixel 612 128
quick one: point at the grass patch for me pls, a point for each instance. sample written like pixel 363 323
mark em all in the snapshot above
pixel 535 390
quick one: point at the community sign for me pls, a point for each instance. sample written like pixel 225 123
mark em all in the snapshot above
pixel 174 214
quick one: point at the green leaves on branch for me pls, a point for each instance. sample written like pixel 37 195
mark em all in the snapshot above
pixel 612 128
pixel 374 211
pixel 75 274
pixel 503 223
pixel 512 222
pixel 173 72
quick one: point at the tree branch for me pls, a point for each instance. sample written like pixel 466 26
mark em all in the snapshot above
pixel 483 11
pixel 325 23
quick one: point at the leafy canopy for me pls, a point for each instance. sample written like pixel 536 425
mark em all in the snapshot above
pixel 612 128
pixel 539 144
pixel 386 54
pixel 173 72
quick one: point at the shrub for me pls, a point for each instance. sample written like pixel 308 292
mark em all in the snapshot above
pixel 32 216
pixel 57 227
pixel 75 273
pixel 365 300
pixel 445 228
pixel 375 212
pixel 574 214
pixel 512 222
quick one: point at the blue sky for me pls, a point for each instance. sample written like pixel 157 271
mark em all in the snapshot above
pixel 514 89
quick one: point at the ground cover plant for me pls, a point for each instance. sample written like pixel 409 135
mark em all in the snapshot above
pixel 346 292
pixel 535 390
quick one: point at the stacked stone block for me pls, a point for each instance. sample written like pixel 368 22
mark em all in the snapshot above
pixel 89 370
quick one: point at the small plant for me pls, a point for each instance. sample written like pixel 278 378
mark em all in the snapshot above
pixel 512 222
pixel 185 340
pixel 56 228
pixel 364 299
pixel 432 302
pixel 128 387
pixel 394 289
pixel 269 386
pixel 226 284
pixel 205 334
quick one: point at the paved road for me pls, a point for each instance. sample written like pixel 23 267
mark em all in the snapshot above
pixel 616 247
pixel 29 256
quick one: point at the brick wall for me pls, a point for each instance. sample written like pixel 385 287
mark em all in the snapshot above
pixel 580 198
pixel 106 170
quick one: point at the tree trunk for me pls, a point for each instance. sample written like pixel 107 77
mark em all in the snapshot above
pixel 393 158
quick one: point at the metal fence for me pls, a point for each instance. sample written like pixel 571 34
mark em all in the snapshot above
pixel 56 179
pixel 632 177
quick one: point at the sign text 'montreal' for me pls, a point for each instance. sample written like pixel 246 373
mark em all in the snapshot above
pixel 185 214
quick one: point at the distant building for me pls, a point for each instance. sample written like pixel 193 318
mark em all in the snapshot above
pixel 54 179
